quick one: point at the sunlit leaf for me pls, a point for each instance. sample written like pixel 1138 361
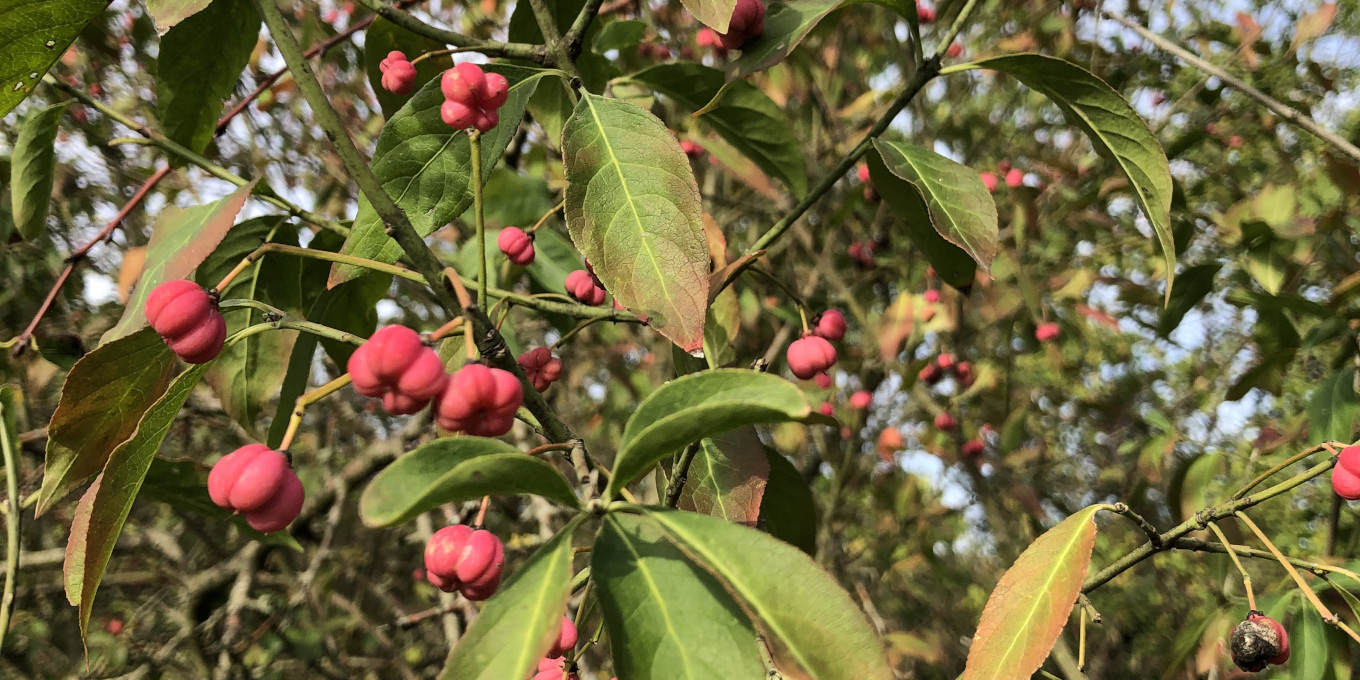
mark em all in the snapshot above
pixel 35 34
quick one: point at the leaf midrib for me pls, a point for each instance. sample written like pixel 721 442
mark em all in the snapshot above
pixel 632 205
pixel 657 598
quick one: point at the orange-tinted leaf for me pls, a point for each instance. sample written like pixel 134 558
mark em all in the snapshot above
pixel 1030 605
pixel 1313 24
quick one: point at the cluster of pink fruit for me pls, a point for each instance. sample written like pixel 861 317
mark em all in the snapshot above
pixel 460 558
pixel 814 353
pixel 1013 177
pixel 584 287
pixel 552 666
pixel 542 368
pixel 472 97
pixel 397 367
pixel 945 365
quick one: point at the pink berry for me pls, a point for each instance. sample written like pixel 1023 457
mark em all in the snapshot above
pixel 954 51
pixel 945 422
pixel 809 356
pixel 480 401
pixel 692 149
pixel 932 296
pixel 1046 331
pixel 542 368
pixel 830 324
pixel 495 90
pixel 517 245
pixel 395 366
pixel 945 361
pixel 863 173
pixel 988 180
pixel 464 83
pixel 973 448
pixel 187 319
pixel 823 380
pixel 566 639
pixel 583 287
pixel 247 478
pixel 925 15
pixel 457 114
pixel 398 74
pixel 1346 474
pixel 1015 178
pixel 487 121
pixel 861 400
pixel 930 375
pixel 281 510
pixel 826 408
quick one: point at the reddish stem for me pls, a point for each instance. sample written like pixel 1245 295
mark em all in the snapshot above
pixel 316 50
pixel 21 342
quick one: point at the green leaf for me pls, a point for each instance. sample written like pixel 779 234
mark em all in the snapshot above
pixel 454 469
pixel 809 620
pixel 518 625
pixel 167 13
pixel 35 34
pixel 727 477
pixel 786 24
pixel 295 381
pixel 383 37
pixel 1114 128
pixel 106 505
pixel 32 168
pixel 953 265
pixel 1334 408
pixel 746 117
pixel 667 618
pixel 199 64
pixel 788 509
pixel 716 14
pixel 1029 606
pixel 620 35
pixel 1196 282
pixel 426 166
pixel 181 239
pixel 1309 655
pixel 701 405
pixel 960 207
pixel 104 397
pixel 634 211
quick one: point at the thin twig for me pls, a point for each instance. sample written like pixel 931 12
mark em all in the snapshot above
pixel 1288 113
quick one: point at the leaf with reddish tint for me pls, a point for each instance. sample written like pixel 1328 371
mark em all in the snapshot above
pixel 1029 606
pixel 181 239
pixel 727 477
pixel 105 507
pixel 633 209
pixel 1313 24
pixel 102 400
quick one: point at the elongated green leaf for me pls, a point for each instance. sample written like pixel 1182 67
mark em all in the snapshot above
pixel 1309 656
pixel 700 405
pixel 1114 128
pixel 960 207
pixel 109 500
pixel 786 24
pixel 668 619
pixel 246 375
pixel 746 117
pixel 633 209
pixel 622 34
pixel 104 397
pixel 809 620
pixel 33 35
pixel 1029 606
pixel 517 626
pixel 454 469
pixel 383 37
pixel 1196 283
pixel 953 265
pixel 788 509
pixel 181 239
pixel 167 13
pixel 32 167
pixel 727 477
pixel 295 381
pixel 1334 410
pixel 426 166
pixel 200 61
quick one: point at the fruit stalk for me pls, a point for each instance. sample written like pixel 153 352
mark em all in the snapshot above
pixel 12 519
pixel 300 407
pixel 1246 578
pixel 475 144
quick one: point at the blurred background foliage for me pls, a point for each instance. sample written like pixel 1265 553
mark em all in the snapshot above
pixel 1165 408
